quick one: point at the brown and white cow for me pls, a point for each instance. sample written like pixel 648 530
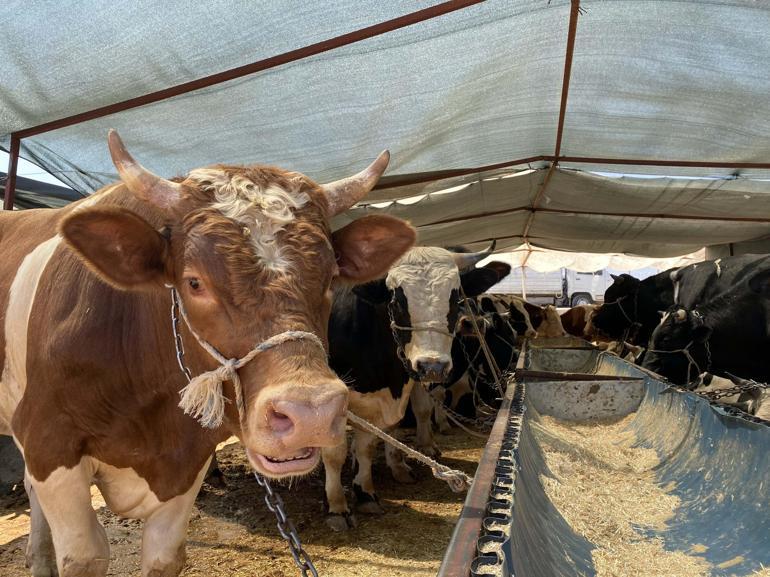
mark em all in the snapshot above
pixel 550 326
pixel 577 321
pixel 90 385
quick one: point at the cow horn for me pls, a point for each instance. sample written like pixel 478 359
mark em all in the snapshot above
pixel 466 260
pixel 140 181
pixel 344 193
pixel 680 315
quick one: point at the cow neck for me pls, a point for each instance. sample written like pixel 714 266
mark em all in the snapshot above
pixel 203 397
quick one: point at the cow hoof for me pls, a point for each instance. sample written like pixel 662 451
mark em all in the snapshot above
pixel 370 508
pixel 44 567
pixel 42 570
pixel 367 503
pixel 403 475
pixel 341 522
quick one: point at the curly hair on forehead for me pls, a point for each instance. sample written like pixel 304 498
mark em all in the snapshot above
pixel 265 235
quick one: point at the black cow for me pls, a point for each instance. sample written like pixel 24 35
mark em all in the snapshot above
pixel 728 334
pixel 631 308
pixel 471 373
pixel 383 338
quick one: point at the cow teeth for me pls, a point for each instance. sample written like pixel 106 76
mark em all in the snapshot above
pixel 295 458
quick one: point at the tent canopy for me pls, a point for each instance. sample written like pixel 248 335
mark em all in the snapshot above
pixel 671 88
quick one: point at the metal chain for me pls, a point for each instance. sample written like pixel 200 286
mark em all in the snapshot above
pixel 286 528
pixel 272 499
pixel 178 339
pixel 749 386
pixel 482 423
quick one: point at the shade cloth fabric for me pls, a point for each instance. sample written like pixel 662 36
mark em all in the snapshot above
pixel 660 80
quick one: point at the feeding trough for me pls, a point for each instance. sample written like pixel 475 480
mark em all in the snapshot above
pixel 710 468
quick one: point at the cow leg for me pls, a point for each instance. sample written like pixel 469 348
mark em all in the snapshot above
pixel 422 406
pixel 397 463
pixel 80 542
pixel 338 516
pixel 41 558
pixel 165 532
pixel 439 398
pixel 363 485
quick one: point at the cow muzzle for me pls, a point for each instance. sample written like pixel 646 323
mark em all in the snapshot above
pixel 288 434
pixel 432 369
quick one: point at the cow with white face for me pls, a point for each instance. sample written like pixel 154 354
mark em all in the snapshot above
pixel 91 390
pixel 389 339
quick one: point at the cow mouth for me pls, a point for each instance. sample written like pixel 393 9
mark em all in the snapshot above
pixel 300 463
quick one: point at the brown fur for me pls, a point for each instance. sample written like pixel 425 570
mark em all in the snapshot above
pixel 102 375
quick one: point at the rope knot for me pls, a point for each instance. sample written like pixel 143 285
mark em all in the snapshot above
pixel 203 397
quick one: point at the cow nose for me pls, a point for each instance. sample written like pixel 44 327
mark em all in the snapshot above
pixel 303 424
pixel 466 327
pixel 431 369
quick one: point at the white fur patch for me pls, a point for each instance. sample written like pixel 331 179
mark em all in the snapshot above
pixel 263 211
pixel 20 301
pixel 427 275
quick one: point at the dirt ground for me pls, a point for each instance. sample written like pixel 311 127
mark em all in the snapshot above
pixel 232 533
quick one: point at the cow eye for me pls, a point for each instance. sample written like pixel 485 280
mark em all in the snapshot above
pixel 194 284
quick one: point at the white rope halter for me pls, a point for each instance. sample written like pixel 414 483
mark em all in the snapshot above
pixel 203 397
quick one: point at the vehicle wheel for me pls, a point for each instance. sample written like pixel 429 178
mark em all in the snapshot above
pixel 581 299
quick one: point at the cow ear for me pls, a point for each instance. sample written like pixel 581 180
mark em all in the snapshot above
pixel 760 283
pixel 487 305
pixel 477 280
pixel 375 292
pixel 120 246
pixel 366 248
pixel 618 279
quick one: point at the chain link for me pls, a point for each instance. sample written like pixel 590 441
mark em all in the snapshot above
pixel 178 339
pixel 272 499
pixel 748 386
pixel 286 528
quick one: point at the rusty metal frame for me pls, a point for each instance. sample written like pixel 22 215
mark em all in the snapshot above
pixel 10 182
pixel 351 38
pixel 231 74
pixel 570 52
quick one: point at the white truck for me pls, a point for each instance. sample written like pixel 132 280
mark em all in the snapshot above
pixel 563 287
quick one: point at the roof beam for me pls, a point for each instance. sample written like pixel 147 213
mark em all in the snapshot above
pixel 254 67
pixel 10 182
pixel 407 180
pixel 225 76
pixel 652 216
pixel 571 34
pixel 671 163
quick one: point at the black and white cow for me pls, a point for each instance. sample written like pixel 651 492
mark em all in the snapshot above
pixel 631 306
pixel 386 338
pixel 472 379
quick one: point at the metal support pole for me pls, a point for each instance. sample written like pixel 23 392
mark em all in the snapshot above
pixel 10 183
